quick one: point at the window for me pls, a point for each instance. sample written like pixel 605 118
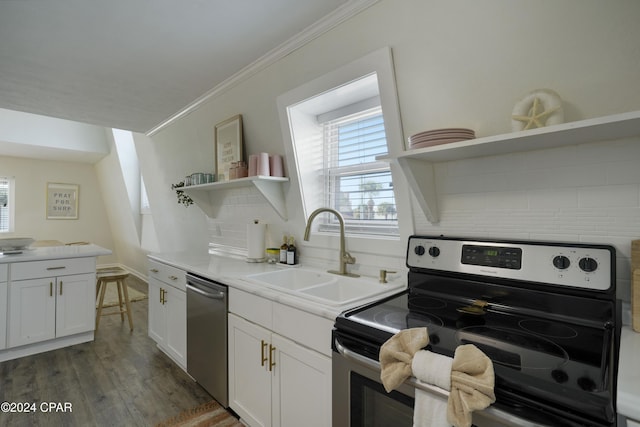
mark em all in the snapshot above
pixel 357 185
pixel 334 127
pixel 145 208
pixel 6 205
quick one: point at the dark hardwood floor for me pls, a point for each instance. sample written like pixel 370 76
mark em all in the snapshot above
pixel 120 379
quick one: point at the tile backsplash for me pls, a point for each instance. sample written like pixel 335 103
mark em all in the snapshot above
pixel 586 193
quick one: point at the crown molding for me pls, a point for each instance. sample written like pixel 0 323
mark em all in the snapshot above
pixel 335 18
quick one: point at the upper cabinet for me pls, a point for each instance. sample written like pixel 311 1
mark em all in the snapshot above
pixel 210 196
pixel 417 165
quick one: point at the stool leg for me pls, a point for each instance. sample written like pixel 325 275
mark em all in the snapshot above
pixel 120 285
pixel 126 301
pixel 103 288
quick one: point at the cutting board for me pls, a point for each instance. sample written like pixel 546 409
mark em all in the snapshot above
pixel 635 285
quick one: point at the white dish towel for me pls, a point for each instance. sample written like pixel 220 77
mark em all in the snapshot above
pixel 435 369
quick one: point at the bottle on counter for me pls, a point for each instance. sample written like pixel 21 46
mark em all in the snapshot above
pixel 283 250
pixel 292 253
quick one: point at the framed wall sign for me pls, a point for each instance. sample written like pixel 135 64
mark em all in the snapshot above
pixel 62 201
pixel 228 145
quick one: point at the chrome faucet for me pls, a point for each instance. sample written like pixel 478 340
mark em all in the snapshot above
pixel 345 257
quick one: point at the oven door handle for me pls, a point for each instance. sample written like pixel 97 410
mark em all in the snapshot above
pixel 491 412
pixel 372 364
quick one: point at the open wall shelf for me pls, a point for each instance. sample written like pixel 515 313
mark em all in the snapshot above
pixel 417 165
pixel 209 197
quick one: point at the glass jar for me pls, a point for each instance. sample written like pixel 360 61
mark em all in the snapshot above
pixel 273 255
pixel 197 178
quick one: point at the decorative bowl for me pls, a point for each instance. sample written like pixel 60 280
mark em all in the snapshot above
pixel 15 243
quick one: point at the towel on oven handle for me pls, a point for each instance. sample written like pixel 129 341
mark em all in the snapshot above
pixel 469 378
pixel 396 355
pixel 470 382
pixel 435 369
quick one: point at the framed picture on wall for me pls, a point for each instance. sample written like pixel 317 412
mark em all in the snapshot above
pixel 62 201
pixel 228 145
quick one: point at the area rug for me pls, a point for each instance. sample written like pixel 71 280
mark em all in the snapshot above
pixel 209 414
pixel 111 295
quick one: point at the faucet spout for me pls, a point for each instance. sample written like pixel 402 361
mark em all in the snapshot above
pixel 345 257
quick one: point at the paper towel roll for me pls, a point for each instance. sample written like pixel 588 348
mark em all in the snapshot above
pixel 255 241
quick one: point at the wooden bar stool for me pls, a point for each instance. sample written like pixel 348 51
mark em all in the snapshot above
pixel 117 276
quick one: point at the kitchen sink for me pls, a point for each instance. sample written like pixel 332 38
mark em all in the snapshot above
pixel 292 279
pixel 325 288
pixel 346 290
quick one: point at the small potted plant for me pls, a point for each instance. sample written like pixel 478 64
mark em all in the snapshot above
pixel 182 198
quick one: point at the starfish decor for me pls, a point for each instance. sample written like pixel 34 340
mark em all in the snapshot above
pixel 537 115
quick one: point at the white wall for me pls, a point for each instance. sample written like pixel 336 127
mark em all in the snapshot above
pixel 31 178
pixel 50 138
pixel 458 64
pixel 121 212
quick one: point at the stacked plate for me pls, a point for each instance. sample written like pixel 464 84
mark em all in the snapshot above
pixel 440 136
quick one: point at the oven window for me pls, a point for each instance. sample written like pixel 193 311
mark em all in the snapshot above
pixel 372 406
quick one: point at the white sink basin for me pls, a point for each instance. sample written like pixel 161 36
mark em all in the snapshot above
pixel 325 288
pixel 346 290
pixel 292 279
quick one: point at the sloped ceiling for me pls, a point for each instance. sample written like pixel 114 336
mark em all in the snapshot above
pixel 132 64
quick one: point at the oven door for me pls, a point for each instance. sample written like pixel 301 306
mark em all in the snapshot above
pixel 360 400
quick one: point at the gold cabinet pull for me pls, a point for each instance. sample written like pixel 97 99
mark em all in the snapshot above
pixel 154 270
pixel 272 358
pixel 60 287
pixel 263 355
pixel 173 278
pixel 50 289
pixel 164 296
pixel 161 296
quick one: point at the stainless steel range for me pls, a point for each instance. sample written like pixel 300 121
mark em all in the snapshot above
pixel 545 313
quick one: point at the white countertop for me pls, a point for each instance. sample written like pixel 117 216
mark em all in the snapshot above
pixel 55 252
pixel 629 374
pixel 232 272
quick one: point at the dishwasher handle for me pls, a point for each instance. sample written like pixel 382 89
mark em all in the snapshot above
pixel 218 295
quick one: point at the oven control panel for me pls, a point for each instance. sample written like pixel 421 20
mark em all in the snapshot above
pixel 573 265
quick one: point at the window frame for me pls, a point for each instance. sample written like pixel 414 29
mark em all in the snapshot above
pixel 380 63
pixel 10 204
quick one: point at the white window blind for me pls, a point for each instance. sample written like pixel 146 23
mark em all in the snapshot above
pixel 357 185
pixel 5 207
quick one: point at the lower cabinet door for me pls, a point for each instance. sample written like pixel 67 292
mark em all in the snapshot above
pixel 176 335
pixel 3 315
pixel 32 311
pixel 249 375
pixel 75 304
pixel 301 386
pixel 157 316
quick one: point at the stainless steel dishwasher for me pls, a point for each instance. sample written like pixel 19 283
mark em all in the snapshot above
pixel 207 304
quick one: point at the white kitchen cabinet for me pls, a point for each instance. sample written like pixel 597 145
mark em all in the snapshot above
pixel 417 164
pixel 33 311
pixel 50 299
pixel 168 311
pixel 274 380
pixel 47 308
pixel 249 374
pixel 3 305
pixel 298 371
